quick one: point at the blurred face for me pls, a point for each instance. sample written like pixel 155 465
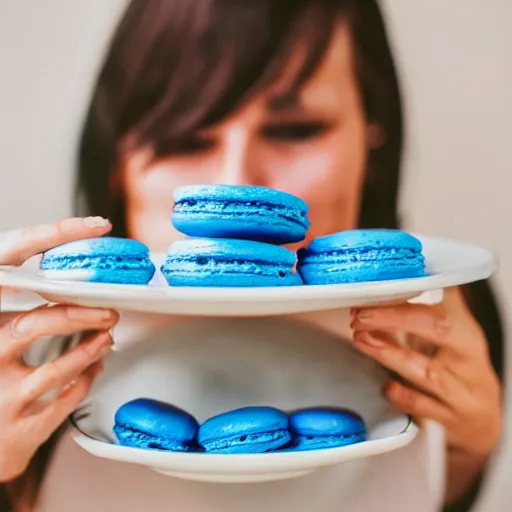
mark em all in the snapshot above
pixel 313 146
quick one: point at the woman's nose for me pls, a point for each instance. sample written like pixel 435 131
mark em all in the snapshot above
pixel 239 163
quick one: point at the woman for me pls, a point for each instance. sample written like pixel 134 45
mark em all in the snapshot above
pixel 300 96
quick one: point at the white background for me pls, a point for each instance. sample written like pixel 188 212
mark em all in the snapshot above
pixel 457 76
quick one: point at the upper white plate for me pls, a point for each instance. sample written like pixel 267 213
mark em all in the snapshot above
pixel 449 263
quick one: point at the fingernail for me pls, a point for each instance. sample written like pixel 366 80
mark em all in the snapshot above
pixel 104 351
pixel 363 314
pixel 431 374
pixel 367 339
pixel 22 326
pixel 105 344
pixel 96 369
pixel 99 368
pixel 419 369
pixel 96 222
pixel 107 314
pixel 389 389
pixel 92 314
pixel 69 385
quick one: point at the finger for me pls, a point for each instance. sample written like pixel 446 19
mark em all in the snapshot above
pixel 428 373
pixel 455 305
pixel 19 331
pixel 440 326
pixel 454 301
pixel 19 245
pixel 52 416
pixel 62 371
pixel 416 403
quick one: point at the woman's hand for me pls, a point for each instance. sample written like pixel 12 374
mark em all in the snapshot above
pixel 27 416
pixel 455 385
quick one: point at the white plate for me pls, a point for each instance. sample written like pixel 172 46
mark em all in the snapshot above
pixel 232 369
pixel 388 435
pixel 449 263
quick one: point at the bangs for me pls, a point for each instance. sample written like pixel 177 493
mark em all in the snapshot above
pixel 197 61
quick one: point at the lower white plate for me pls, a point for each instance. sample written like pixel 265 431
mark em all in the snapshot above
pixel 449 263
pixel 387 435
pixel 214 365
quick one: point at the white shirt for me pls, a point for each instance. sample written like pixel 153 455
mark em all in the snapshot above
pixel 226 363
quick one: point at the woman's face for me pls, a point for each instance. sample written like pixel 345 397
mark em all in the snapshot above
pixel 313 147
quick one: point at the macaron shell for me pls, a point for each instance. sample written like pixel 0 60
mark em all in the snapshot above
pixel 241 194
pixel 246 420
pixel 239 226
pixel 244 212
pixel 224 278
pixel 229 263
pixel 325 421
pixel 365 239
pixel 101 246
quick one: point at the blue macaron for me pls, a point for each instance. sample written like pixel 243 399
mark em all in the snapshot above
pixel 151 424
pixel 362 255
pixel 244 212
pixel 245 430
pixel 321 427
pixel 100 260
pixel 229 263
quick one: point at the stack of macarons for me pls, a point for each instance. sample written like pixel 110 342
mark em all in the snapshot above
pixel 236 237
pixel 152 424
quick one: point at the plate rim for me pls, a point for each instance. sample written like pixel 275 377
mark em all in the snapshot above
pixel 29 279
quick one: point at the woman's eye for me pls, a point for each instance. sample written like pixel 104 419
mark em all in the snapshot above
pixel 187 147
pixel 295 132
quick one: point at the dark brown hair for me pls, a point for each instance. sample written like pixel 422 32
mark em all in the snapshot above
pixel 174 66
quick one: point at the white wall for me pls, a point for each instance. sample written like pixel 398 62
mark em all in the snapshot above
pixel 49 51
pixel 457 77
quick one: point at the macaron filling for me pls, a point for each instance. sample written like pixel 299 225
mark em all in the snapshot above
pixel 276 438
pixel 236 208
pixel 364 255
pixel 329 441
pixel 185 264
pixel 96 262
pixel 129 436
